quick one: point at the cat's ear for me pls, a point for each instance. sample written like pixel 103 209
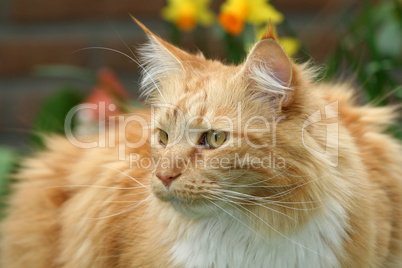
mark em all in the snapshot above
pixel 269 70
pixel 159 59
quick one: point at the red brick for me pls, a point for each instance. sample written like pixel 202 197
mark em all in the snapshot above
pixel 21 55
pixel 310 5
pixel 44 10
pixel 120 62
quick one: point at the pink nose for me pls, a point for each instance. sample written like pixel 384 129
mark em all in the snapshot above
pixel 167 177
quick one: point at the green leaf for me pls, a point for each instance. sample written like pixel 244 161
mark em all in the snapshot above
pixel 398 92
pixel 174 34
pixel 7 162
pixel 52 113
pixel 235 48
pixel 389 38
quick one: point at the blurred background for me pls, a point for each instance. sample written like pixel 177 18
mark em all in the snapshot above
pixel 57 54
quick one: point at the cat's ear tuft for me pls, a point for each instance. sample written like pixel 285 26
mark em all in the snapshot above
pixel 269 70
pixel 159 60
pixel 269 32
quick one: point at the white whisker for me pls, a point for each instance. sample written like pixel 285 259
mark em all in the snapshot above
pixel 134 179
pixel 137 62
pixel 121 212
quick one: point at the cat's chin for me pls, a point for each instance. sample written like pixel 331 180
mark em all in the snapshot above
pixel 188 208
pixel 192 209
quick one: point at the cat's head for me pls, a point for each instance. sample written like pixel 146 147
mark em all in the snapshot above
pixel 222 135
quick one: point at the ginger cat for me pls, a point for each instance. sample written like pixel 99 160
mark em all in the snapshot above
pixel 246 166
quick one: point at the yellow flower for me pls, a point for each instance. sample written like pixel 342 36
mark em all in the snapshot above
pixel 290 44
pixel 231 23
pixel 262 12
pixel 186 14
pixel 235 13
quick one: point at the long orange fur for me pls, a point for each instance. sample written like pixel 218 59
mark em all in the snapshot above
pixel 75 207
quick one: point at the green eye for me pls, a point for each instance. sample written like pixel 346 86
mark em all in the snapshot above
pixel 214 139
pixel 163 137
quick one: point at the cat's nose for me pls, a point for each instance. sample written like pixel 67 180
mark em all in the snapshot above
pixel 168 177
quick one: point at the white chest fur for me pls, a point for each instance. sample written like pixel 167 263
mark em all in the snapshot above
pixel 226 242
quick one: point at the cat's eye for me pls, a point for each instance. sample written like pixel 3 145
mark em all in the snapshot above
pixel 163 137
pixel 214 139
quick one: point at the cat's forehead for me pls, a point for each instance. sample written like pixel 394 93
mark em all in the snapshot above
pixel 202 91
pixel 207 75
pixel 190 105
pixel 195 88
pixel 194 83
pixel 201 107
pixel 200 99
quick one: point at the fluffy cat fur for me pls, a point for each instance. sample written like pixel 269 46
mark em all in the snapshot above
pixel 75 207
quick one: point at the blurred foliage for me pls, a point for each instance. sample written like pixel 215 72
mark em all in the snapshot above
pixel 8 158
pixel 372 51
pixel 52 113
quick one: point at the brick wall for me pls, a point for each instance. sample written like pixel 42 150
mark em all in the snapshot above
pixel 42 32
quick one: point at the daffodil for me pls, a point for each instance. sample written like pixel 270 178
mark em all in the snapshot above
pixel 235 13
pixel 290 44
pixel 186 14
